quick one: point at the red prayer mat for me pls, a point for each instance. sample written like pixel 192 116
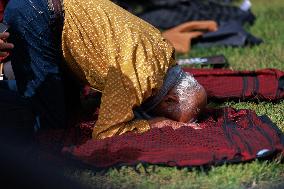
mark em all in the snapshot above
pixel 223 84
pixel 226 135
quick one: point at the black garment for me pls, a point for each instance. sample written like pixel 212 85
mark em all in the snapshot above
pixel 228 34
pixel 26 166
pixel 17 119
pixel 165 14
pixel 35 30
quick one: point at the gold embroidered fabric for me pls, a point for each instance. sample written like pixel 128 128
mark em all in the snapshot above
pixel 118 54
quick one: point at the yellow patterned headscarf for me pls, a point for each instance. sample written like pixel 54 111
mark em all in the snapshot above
pixel 118 54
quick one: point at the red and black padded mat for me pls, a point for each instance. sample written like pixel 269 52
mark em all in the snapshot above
pixel 223 84
pixel 225 135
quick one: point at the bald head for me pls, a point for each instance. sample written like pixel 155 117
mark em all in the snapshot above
pixel 184 102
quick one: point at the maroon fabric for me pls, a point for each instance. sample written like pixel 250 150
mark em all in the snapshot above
pixel 220 84
pixel 227 135
pixel 3 4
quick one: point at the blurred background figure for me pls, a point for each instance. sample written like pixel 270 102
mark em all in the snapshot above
pixel 170 14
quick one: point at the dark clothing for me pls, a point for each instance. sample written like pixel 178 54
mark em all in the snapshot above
pixel 17 119
pixel 12 102
pixel 165 14
pixel 228 34
pixel 35 30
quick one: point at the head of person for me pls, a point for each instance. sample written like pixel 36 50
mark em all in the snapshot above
pixel 184 102
pixel 181 98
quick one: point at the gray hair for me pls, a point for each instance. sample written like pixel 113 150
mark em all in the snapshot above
pixel 175 79
pixel 185 89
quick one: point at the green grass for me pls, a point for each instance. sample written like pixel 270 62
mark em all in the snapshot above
pixel 256 174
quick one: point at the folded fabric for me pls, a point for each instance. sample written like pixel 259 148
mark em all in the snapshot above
pixel 222 84
pixel 181 36
pixel 227 135
pixel 229 33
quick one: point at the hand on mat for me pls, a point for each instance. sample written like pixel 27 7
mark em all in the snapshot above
pixel 4 46
pixel 180 36
pixel 160 122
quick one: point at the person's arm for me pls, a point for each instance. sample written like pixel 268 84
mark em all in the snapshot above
pixel 116 110
pixel 4 46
